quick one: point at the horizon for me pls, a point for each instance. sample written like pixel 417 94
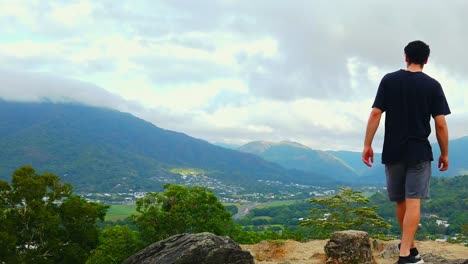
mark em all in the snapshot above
pixel 231 72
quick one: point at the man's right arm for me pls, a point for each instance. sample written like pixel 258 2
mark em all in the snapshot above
pixel 442 139
pixel 372 126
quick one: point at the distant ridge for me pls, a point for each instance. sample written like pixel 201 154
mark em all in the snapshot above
pixel 294 155
pixel 347 166
pixel 457 155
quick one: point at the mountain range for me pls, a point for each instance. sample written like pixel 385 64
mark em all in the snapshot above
pixel 101 149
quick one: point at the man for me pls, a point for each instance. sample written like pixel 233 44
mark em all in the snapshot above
pixel 409 98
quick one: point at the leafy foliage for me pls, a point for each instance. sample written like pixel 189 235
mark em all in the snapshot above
pixel 345 210
pixel 243 236
pixel 42 222
pixel 180 209
pixel 287 214
pixel 116 243
pixel 232 209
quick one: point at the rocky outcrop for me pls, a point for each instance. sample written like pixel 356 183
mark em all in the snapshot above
pixel 389 251
pixel 202 248
pixel 434 259
pixel 377 245
pixel 349 247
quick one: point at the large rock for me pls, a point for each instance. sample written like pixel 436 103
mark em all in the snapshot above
pixel 202 248
pixel 349 247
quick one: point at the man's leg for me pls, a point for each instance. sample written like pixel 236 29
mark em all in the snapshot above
pixel 412 215
pixel 400 212
pixel 416 187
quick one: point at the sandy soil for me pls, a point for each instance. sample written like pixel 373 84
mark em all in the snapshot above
pixel 312 252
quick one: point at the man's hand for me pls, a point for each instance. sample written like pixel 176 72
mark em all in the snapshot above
pixel 443 163
pixel 368 155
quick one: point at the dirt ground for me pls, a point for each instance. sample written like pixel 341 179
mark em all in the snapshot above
pixel 312 252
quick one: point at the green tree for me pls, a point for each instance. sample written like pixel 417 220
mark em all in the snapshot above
pixel 180 209
pixel 343 211
pixel 116 243
pixel 232 209
pixel 42 222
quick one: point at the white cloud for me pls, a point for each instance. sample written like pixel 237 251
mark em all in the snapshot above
pixel 232 71
pixel 71 15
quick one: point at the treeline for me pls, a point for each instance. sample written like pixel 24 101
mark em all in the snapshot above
pixel 42 221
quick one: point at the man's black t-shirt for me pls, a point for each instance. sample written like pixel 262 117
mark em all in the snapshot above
pixel 409 100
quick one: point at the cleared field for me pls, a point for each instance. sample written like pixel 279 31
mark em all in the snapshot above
pixel 278 203
pixel 267 218
pixel 120 212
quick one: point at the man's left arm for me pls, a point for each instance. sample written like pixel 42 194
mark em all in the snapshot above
pixel 372 126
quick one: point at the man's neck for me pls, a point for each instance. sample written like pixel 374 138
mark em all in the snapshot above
pixel 414 67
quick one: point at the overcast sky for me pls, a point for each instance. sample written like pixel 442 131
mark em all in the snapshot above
pixel 232 71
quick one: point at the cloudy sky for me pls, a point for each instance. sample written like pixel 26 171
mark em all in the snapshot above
pixel 232 71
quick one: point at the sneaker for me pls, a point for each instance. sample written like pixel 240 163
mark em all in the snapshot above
pixel 409 259
pixel 413 252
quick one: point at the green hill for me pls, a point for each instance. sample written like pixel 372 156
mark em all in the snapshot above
pixel 101 149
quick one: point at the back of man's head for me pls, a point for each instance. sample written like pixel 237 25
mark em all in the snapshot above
pixel 417 52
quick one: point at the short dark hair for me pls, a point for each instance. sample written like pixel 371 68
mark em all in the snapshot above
pixel 417 52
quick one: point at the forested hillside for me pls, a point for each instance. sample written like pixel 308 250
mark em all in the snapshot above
pixel 100 149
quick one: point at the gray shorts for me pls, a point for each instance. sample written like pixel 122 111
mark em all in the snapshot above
pixel 408 180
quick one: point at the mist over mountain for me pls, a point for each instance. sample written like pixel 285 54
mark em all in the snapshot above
pixel 101 149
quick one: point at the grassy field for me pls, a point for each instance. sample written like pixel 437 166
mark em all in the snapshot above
pixel 278 203
pixel 120 212
pixel 267 218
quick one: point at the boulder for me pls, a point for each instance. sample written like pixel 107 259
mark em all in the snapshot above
pixel 202 248
pixel 349 247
